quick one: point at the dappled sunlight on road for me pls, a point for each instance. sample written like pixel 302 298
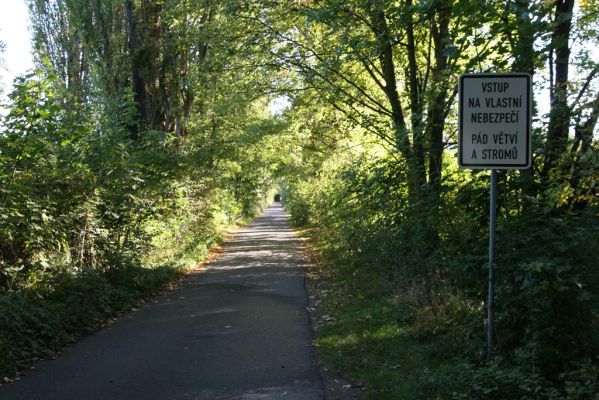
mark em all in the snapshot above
pixel 239 329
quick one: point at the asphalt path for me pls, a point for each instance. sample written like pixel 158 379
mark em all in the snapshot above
pixel 237 330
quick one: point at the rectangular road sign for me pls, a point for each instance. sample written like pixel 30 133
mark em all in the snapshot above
pixel 495 121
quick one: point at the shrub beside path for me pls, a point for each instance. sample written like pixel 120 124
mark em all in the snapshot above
pixel 237 330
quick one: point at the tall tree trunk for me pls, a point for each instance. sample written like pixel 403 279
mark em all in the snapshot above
pixel 158 103
pixel 438 99
pixel 58 39
pixel 402 139
pixel 415 102
pixel 583 137
pixel 559 119
pixel 436 114
pixel 524 61
pixel 139 87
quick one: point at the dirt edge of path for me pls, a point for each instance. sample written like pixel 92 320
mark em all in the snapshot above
pixel 335 386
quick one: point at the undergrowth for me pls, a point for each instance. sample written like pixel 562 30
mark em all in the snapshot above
pixel 38 323
pixel 408 285
pixel 380 338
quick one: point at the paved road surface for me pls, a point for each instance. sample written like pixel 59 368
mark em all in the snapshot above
pixel 239 330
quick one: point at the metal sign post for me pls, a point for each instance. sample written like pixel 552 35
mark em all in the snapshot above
pixel 491 290
pixel 494 132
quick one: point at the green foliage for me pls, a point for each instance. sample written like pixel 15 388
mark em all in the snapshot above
pixel 89 217
pixel 147 135
pixel 502 380
pixel 36 324
pixel 42 189
pixel 299 207
pixel 381 340
pixel 546 313
pixel 547 291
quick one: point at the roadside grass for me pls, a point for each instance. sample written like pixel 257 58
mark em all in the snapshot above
pixel 378 341
pixel 387 344
pixel 38 323
pixel 57 308
pixel 373 334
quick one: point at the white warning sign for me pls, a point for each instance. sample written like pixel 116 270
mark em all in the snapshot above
pixel 494 121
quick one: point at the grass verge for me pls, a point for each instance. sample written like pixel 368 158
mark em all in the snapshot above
pixel 39 319
pixel 374 334
pixel 37 323
pixel 377 339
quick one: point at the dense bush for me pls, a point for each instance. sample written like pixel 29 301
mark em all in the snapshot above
pixel 91 220
pixel 36 324
pixel 546 281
